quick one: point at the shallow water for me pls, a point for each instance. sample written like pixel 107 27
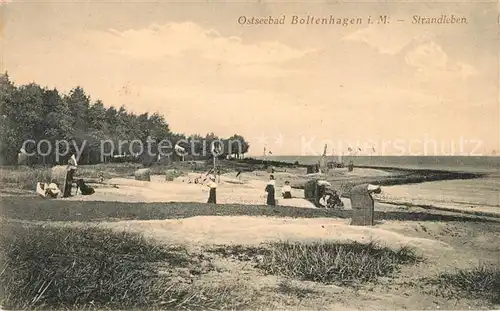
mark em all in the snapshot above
pixel 447 163
pixel 481 192
pixel 467 193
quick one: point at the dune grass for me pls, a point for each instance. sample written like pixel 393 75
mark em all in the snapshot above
pixel 23 177
pixel 91 268
pixel 328 262
pixel 479 282
pixel 349 263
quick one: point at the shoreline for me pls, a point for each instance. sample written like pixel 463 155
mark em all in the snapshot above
pixel 440 208
pixel 422 175
pixel 342 180
pixel 466 164
pixel 402 176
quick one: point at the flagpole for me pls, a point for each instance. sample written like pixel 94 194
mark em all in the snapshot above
pixel 215 153
pixel 371 155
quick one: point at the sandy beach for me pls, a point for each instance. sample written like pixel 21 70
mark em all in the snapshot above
pixel 247 190
pixel 470 196
pixel 175 213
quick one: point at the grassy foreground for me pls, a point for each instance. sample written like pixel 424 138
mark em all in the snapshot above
pixel 479 282
pixel 47 267
pixel 347 263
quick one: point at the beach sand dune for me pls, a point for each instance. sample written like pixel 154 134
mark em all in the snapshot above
pixel 208 230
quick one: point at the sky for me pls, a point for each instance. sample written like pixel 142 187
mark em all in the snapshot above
pixel 392 89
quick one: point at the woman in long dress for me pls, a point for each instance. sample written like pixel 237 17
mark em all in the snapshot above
pixel 271 200
pixel 212 197
pixel 72 167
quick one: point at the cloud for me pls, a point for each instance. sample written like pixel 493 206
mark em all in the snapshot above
pixel 423 54
pixel 386 41
pixel 176 39
pixel 431 61
pixel 205 110
pixel 264 70
pixel 427 56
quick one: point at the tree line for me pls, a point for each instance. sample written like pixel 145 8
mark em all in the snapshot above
pixel 34 113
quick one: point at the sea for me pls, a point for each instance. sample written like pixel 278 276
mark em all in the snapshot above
pixel 469 194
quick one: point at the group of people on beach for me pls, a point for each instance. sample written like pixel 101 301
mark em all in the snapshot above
pixel 55 189
pixel 286 190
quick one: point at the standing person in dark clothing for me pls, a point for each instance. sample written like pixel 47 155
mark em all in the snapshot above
pixel 350 168
pixel 212 197
pixel 72 167
pixel 271 200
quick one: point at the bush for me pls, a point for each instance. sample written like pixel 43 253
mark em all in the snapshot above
pixel 481 282
pixel 49 267
pixel 349 263
pixel 24 177
pixel 333 262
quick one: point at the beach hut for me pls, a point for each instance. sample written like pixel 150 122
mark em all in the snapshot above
pixel 314 190
pixel 310 169
pixel 310 190
pixel 143 174
pixel 363 206
pixel 60 174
